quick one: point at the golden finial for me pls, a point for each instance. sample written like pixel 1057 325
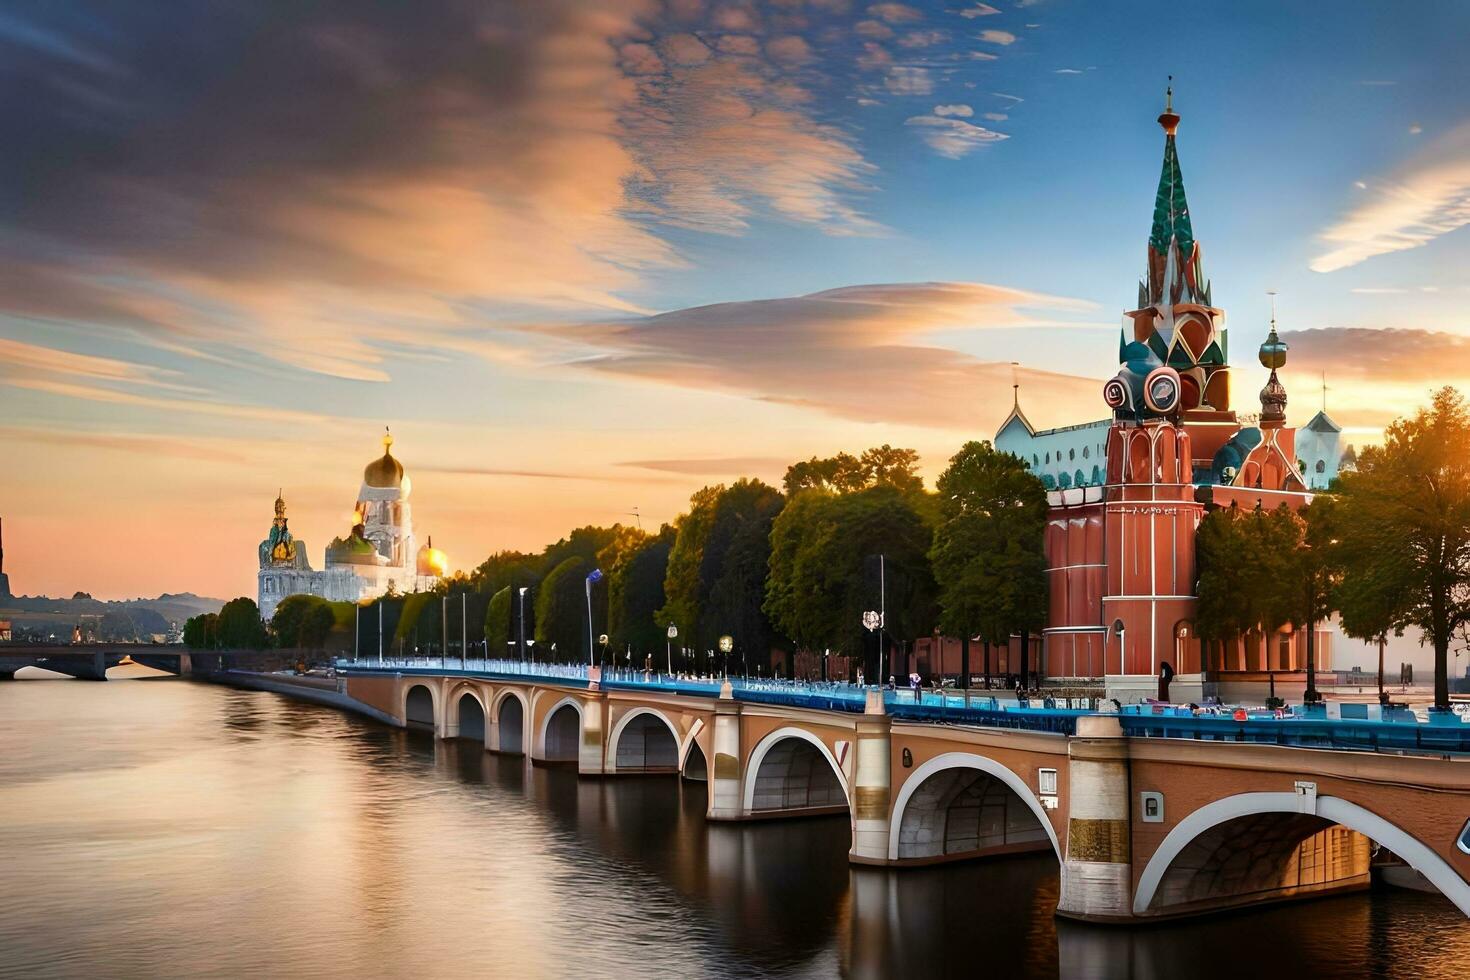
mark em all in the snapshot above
pixel 1169 119
pixel 387 439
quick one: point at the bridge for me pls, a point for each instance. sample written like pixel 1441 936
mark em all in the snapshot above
pixel 1148 816
pixel 90 661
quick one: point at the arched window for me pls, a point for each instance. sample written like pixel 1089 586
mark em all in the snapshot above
pixel 1035 460
pixel 1071 454
pixel 1321 466
pixel 1048 457
pixel 1084 452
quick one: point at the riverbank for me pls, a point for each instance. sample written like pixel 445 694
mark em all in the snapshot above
pixel 305 687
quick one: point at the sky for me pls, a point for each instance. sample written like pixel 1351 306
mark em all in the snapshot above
pixel 584 258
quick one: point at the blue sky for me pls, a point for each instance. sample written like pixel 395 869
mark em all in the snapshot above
pixel 585 257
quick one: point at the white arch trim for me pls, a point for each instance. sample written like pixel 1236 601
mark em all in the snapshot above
pixel 617 732
pixel 455 696
pixel 546 722
pixel 691 740
pixel 758 755
pixel 1331 808
pixel 965 760
pixel 498 701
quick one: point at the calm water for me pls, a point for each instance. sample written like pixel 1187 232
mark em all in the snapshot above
pixel 161 828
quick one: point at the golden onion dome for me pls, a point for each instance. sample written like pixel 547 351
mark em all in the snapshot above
pixel 384 472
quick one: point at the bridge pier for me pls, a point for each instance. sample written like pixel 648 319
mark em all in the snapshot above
pixel 872 784
pixel 1097 869
pixel 726 794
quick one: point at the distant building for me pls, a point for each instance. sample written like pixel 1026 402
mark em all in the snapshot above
pixel 4 580
pixel 5 632
pixel 376 555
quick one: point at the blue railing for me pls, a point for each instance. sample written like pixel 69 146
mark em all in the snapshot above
pixel 1399 730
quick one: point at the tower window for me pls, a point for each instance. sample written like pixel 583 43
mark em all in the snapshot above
pixel 1048 457
pixel 1071 454
pixel 1321 466
pixel 1084 452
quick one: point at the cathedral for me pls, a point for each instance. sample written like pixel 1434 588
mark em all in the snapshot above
pixel 1127 492
pixel 376 556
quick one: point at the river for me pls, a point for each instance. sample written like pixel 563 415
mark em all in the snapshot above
pixel 155 827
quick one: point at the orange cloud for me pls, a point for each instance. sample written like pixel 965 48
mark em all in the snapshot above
pixel 858 352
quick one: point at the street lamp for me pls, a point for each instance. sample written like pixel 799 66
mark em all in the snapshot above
pixel 593 576
pixel 873 623
pixel 727 643
pixel 521 621
pixel 672 633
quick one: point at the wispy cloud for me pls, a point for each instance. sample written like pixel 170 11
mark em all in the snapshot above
pixel 951 137
pixel 998 37
pixel 979 10
pixel 716 466
pixel 954 110
pixel 1427 197
pixel 895 13
pixel 908 80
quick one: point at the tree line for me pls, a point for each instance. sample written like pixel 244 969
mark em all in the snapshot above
pixel 790 569
pixel 1387 549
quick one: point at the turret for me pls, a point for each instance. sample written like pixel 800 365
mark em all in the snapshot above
pixel 1273 396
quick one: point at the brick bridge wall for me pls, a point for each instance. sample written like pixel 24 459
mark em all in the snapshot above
pixel 1142 828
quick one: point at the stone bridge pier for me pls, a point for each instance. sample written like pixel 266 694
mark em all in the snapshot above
pixel 1141 828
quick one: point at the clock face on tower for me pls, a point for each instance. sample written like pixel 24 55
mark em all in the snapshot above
pixel 1161 390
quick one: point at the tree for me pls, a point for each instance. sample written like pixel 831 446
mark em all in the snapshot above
pixel 500 622
pixel 1405 527
pixel 200 632
pixel 636 593
pixel 681 580
pixel 823 573
pixel 1314 574
pixel 1222 614
pixel 302 621
pixel 561 610
pixel 239 626
pixel 991 519
pixel 845 473
pixel 733 569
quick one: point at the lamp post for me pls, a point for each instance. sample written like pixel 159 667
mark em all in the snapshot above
pixel 671 633
pixel 727 643
pixel 521 621
pixel 873 623
pixel 464 634
pixel 531 646
pixel 593 576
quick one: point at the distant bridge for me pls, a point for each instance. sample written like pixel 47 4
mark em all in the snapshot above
pixel 1145 824
pixel 90 661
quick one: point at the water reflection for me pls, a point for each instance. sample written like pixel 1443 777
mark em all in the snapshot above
pixel 176 829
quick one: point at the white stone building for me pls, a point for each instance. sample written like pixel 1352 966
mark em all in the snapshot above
pixel 377 555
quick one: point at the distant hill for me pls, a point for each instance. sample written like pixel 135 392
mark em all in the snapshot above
pixel 122 619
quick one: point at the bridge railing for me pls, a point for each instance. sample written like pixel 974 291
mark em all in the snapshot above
pixel 1399 732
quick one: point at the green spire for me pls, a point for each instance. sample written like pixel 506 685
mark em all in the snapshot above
pixel 1171 210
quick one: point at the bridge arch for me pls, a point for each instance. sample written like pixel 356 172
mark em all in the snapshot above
pixel 560 736
pixel 993 775
pixel 465 713
pixel 795 780
pixel 644 739
pixel 510 709
pixel 421 708
pixel 1330 810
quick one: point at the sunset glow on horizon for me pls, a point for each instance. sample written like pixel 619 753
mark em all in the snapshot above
pixel 587 258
